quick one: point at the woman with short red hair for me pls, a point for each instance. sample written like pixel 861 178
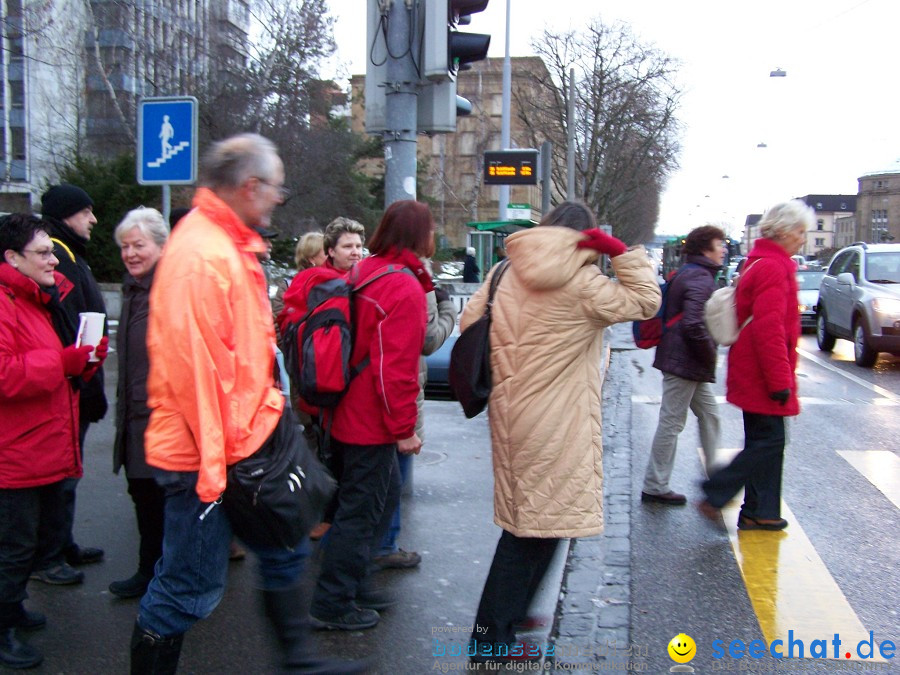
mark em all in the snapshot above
pixel 376 418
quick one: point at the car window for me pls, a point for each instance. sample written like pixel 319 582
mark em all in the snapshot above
pixel 837 265
pixel 883 267
pixel 852 265
pixel 809 281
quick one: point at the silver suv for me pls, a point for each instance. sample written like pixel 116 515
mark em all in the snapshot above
pixel 859 300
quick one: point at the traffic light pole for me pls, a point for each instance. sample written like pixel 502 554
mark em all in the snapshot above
pixel 400 109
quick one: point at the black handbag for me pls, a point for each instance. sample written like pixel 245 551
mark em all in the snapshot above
pixel 470 359
pixel 274 497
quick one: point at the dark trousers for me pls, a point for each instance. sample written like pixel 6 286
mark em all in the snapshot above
pixel 150 508
pixel 519 565
pixel 27 516
pixel 757 469
pixel 369 493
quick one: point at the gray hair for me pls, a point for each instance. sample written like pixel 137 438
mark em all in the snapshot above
pixel 232 161
pixel 340 226
pixel 780 219
pixel 149 221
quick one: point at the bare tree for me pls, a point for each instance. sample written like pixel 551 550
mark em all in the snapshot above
pixel 626 130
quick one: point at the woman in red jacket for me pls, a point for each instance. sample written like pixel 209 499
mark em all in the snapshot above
pixel 761 365
pixel 376 418
pixel 38 420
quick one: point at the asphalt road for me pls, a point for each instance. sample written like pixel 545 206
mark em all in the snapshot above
pixel 686 577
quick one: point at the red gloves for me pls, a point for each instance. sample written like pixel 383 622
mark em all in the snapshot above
pixel 101 353
pixel 602 242
pixel 75 359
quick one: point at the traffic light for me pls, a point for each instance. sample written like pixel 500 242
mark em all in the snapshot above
pixel 447 50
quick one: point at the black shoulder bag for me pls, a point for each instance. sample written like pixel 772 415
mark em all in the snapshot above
pixel 470 360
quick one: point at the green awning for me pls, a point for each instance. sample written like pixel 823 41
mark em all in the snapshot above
pixel 504 226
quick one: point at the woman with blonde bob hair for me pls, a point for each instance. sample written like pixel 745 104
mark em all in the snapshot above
pixel 310 251
pixel 761 377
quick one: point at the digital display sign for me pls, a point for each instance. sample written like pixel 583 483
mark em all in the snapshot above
pixel 511 167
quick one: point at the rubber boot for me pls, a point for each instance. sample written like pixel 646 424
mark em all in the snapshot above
pixel 286 611
pixel 152 654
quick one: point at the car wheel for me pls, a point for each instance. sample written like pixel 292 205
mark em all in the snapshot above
pixel 865 356
pixel 823 337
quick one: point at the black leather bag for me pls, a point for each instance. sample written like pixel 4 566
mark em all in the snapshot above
pixel 275 496
pixel 470 359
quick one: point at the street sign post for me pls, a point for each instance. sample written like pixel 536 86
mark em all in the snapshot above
pixel 167 140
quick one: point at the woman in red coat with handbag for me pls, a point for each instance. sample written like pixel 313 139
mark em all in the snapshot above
pixel 761 364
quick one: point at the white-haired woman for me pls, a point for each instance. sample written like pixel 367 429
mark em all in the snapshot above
pixel 141 236
pixel 471 272
pixel 761 364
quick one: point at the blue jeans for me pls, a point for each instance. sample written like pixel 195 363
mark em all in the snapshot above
pixel 189 579
pixel 389 540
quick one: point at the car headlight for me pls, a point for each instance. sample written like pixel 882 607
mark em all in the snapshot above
pixel 886 305
pixel 804 308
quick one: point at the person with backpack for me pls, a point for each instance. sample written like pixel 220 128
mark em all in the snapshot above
pixel 550 310
pixel 376 417
pixel 761 378
pixel 686 355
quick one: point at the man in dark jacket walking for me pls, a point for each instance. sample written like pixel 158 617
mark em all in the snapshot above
pixel 471 272
pixel 686 355
pixel 68 215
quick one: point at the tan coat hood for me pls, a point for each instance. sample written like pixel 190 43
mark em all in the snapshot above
pixel 547 257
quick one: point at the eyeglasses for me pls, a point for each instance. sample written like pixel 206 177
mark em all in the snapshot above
pixel 283 192
pixel 44 253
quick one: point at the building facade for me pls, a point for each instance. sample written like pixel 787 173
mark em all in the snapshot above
pixel 878 207
pixel 451 166
pixel 828 208
pixel 73 73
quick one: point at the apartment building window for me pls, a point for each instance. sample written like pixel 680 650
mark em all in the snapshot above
pixel 467 185
pixel 17 135
pixel 467 143
pixel 497 104
pixel 820 241
pixel 820 224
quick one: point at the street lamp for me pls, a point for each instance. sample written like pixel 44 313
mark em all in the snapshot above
pixel 778 72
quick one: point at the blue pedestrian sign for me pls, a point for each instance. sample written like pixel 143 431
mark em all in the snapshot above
pixel 167 140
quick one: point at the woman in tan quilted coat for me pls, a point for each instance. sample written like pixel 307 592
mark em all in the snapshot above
pixel 550 309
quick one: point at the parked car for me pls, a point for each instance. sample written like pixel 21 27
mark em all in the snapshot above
pixel 859 300
pixel 808 282
pixel 438 384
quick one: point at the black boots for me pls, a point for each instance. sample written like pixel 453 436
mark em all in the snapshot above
pixel 152 654
pixel 16 654
pixel 286 610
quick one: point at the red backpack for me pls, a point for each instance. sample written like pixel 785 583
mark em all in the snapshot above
pixel 317 333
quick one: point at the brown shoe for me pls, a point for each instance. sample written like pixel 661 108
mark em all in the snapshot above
pixel 668 498
pixel 709 511
pixel 319 531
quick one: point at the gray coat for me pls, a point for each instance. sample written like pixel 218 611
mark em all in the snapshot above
pixel 686 349
pixel 132 413
pixel 441 321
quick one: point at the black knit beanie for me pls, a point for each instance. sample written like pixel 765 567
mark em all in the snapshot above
pixel 64 200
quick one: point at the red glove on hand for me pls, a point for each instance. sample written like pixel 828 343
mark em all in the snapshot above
pixel 74 359
pixel 602 242
pixel 101 353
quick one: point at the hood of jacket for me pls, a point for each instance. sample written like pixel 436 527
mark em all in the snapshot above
pixel 59 230
pixel 547 257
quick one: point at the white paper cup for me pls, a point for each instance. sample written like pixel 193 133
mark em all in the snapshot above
pixel 90 331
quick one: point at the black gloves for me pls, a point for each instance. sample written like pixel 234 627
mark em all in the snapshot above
pixel 440 294
pixel 780 396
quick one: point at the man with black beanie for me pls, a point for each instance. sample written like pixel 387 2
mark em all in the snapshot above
pixel 68 213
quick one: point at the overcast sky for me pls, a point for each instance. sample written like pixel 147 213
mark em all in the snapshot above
pixel 833 118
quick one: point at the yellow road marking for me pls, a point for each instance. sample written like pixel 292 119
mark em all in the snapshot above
pixel 791 589
pixel 880 467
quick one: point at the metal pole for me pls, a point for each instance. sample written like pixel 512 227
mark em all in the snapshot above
pixel 400 110
pixel 546 178
pixel 504 128
pixel 166 201
pixel 570 128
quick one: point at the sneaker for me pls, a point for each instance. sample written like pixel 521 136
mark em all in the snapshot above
pixel 77 555
pixel 353 619
pixel 399 560
pixel 61 575
pixel 17 654
pixel 133 587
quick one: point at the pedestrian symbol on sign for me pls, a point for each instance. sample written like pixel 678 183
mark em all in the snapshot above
pixel 166 133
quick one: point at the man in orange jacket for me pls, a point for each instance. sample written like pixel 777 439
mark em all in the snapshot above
pixel 211 343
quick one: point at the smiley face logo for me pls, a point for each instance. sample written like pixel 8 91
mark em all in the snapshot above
pixel 682 648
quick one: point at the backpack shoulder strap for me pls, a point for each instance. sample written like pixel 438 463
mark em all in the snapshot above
pixel 64 247
pixel 375 276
